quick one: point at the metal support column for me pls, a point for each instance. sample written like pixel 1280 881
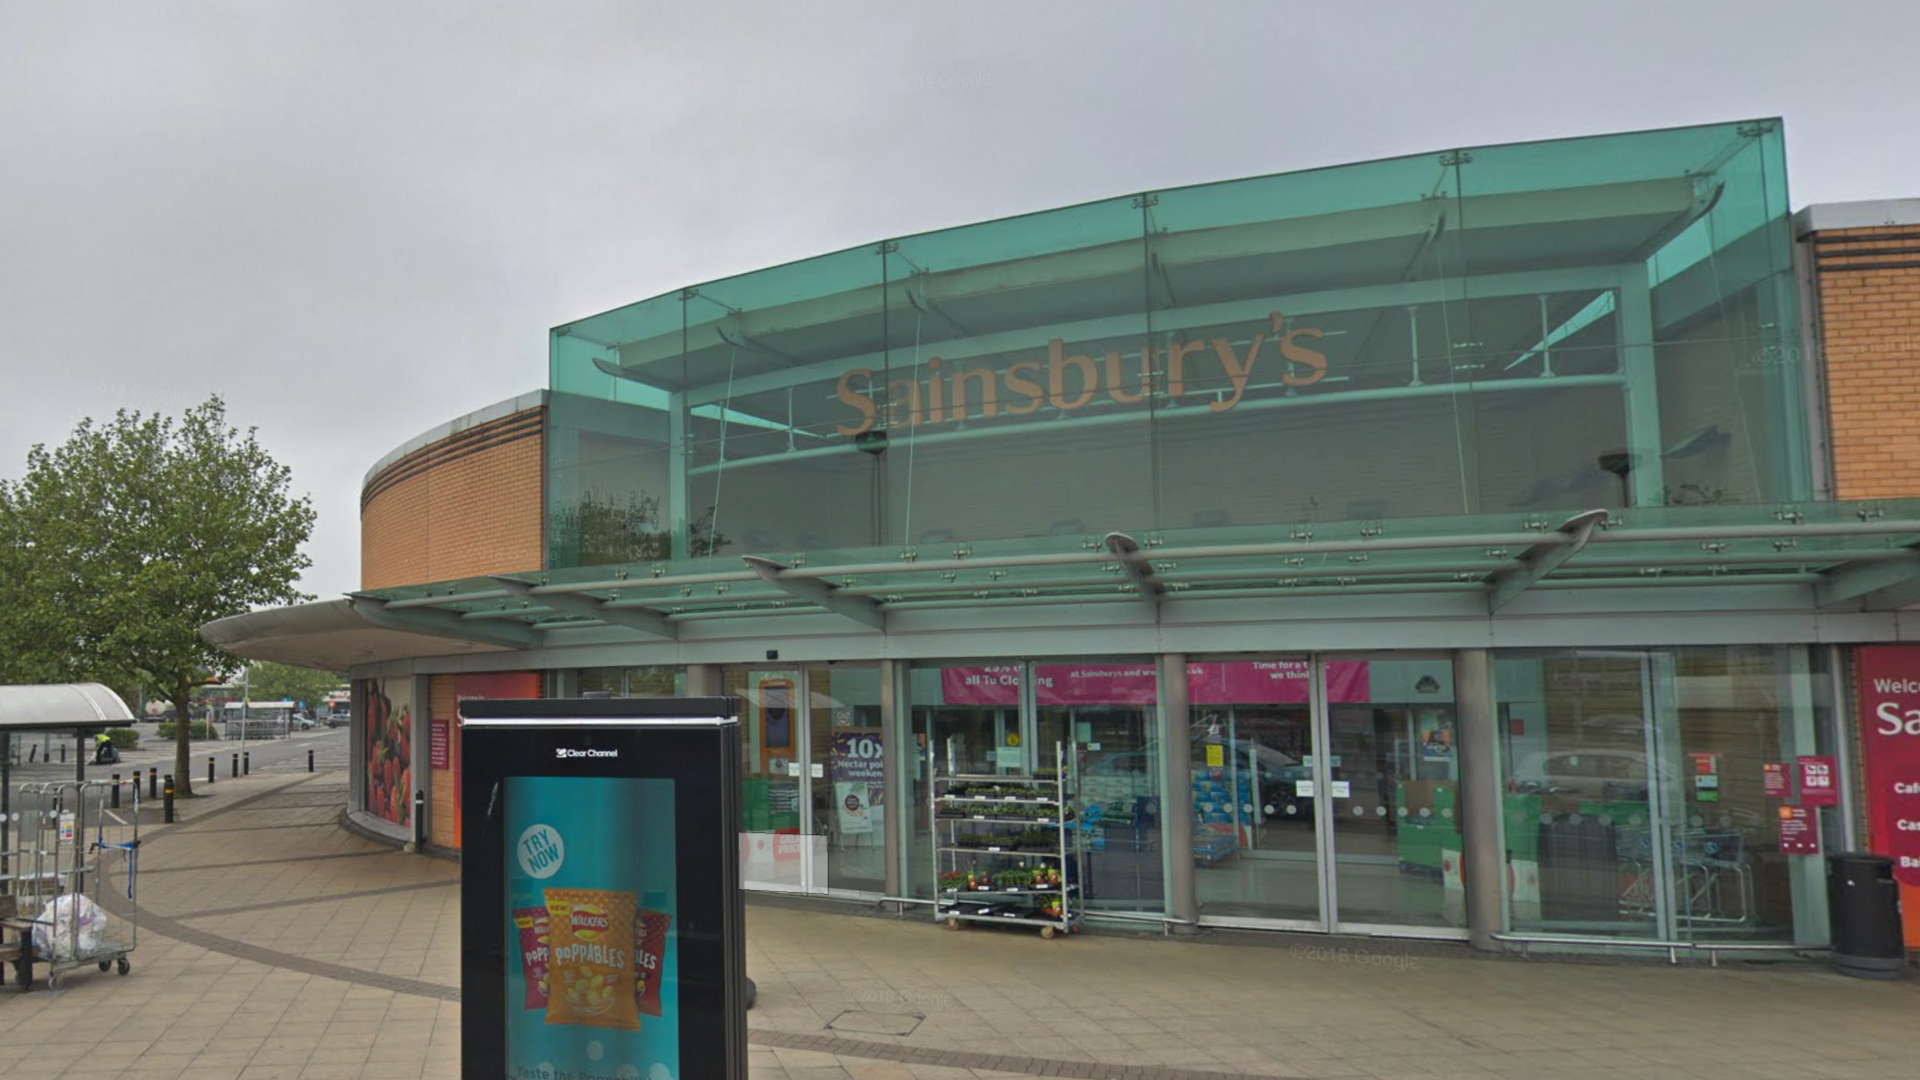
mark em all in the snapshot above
pixel 678 448
pixel 1176 790
pixel 1646 473
pixel 1482 852
pixel 1846 738
pixel 896 742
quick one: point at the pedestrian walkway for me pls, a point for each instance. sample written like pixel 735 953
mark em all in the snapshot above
pixel 276 945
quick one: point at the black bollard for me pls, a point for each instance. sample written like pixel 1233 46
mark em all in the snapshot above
pixel 210 768
pixel 236 764
pixel 115 801
pixel 167 805
pixel 153 783
pixel 309 761
pixel 246 763
pixel 63 753
pixel 420 820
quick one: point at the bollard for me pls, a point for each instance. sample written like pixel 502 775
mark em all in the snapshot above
pixel 246 763
pixel 115 801
pixel 167 805
pixel 153 783
pixel 420 820
pixel 309 761
pixel 210 768
pixel 236 765
pixel 63 753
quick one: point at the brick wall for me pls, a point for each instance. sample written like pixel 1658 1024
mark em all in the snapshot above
pixel 466 505
pixel 1867 288
pixel 443 792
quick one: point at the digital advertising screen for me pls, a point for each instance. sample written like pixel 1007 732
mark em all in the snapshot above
pixel 601 922
pixel 590 899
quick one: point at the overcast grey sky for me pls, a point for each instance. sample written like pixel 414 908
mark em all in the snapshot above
pixel 356 220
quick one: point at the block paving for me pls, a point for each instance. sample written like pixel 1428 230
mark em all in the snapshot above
pixel 278 945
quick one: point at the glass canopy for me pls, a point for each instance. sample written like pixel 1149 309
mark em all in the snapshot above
pixel 1533 328
pixel 1850 555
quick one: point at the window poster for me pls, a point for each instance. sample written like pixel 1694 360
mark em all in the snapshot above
pixel 592 967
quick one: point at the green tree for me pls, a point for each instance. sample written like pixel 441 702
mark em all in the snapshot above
pixel 268 681
pixel 119 544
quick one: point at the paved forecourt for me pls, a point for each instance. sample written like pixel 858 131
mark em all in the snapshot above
pixel 276 944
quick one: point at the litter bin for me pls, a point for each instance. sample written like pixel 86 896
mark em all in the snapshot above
pixel 1863 906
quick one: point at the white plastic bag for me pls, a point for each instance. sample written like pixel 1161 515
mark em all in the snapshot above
pixel 67 924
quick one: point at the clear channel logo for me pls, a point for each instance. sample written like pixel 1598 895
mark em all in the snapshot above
pixel 567 753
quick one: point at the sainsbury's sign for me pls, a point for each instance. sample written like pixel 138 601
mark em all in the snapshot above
pixel 1068 381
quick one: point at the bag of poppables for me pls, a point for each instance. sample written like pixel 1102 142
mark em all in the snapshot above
pixel 591 965
pixel 534 953
pixel 650 946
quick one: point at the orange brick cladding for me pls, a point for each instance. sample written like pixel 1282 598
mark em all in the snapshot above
pixel 1867 284
pixel 466 505
pixel 443 791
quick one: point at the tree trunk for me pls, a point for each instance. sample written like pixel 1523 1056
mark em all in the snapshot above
pixel 182 738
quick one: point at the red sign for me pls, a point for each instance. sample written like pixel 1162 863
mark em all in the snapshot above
pixel 1773 781
pixel 440 744
pixel 1798 834
pixel 1245 682
pixel 1890 758
pixel 1819 782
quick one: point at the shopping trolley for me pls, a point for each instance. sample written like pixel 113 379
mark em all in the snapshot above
pixel 72 877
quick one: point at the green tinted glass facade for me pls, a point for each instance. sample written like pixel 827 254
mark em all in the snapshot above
pixel 1519 329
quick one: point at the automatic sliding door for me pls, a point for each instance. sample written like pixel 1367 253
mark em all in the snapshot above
pixel 1256 810
pixel 1393 793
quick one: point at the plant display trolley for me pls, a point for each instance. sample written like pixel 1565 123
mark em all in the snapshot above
pixel 1004 847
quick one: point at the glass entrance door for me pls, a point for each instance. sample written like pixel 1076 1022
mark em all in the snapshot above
pixel 1325 792
pixel 813 813
pixel 1393 792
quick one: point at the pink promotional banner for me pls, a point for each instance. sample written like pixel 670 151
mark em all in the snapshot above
pixel 1250 682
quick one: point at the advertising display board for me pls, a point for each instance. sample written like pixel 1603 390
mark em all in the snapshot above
pixel 388 749
pixel 1890 764
pixel 600 900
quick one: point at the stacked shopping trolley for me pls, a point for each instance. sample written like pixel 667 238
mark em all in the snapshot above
pixel 67 877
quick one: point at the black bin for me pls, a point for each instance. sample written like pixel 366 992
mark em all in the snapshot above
pixel 1863 907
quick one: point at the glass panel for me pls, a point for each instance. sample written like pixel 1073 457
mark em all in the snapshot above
pixel 1395 799
pixel 1636 791
pixel 962 714
pixel 1578 813
pixel 1740 709
pixel 771 770
pixel 660 681
pixel 849 805
pixel 1106 716
pixel 1254 844
pixel 1538 326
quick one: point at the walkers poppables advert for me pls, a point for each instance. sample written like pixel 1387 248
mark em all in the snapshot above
pixel 591 903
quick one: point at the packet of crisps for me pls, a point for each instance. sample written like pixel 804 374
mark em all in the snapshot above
pixel 532 924
pixel 590 967
pixel 650 948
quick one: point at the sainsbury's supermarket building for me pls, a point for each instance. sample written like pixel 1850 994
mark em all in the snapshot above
pixel 1498 543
